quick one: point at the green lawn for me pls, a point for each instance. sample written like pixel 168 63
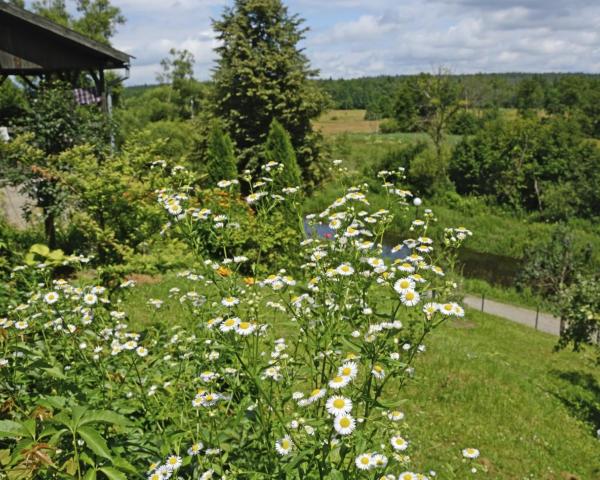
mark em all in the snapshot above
pixel 496 385
pixel 483 382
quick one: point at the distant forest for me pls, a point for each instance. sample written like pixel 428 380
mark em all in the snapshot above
pixel 489 90
pixel 550 91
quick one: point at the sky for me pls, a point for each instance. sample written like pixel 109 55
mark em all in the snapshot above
pixel 354 38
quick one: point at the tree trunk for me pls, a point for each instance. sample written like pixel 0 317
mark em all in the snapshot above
pixel 50 229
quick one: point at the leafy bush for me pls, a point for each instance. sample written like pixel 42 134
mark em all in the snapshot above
pixel 389 125
pixel 528 164
pixel 464 122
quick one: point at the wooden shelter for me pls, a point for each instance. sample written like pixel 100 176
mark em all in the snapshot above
pixel 31 45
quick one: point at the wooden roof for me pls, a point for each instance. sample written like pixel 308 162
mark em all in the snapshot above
pixel 33 45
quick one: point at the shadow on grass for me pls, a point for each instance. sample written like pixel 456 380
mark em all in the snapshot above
pixel 580 393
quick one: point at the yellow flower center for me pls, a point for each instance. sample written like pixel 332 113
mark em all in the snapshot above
pixel 229 322
pixel 346 371
pixel 285 444
pixel 244 325
pixel 339 403
pixel 410 295
pixel 365 460
pixel 345 422
pixel 338 380
pixel 315 392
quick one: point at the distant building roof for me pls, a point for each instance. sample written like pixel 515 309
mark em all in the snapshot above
pixel 32 45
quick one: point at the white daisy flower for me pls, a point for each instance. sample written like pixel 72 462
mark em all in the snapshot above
pixel 339 382
pixel 284 446
pixel 378 372
pixel 229 301
pixel 408 476
pixel 348 369
pixel 173 462
pixel 410 298
pixel 344 424
pixel 245 328
pixel 470 453
pixel 195 449
pixel 398 443
pixel 229 324
pixel 404 285
pixel 51 297
pixel 338 405
pixel 364 461
pixel 395 415
pixel 379 460
pixel 141 351
pixel 345 269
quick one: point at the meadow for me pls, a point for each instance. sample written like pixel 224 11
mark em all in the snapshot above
pixel 483 380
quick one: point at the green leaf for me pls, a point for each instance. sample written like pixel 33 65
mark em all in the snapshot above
pixel 113 473
pixel 29 425
pixel 94 441
pixel 90 475
pixel 104 416
pixel 55 372
pixel 40 249
pixel 10 429
pixel 78 412
pixel 124 465
pixel 56 255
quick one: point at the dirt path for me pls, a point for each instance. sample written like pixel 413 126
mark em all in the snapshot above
pixel 545 322
pixel 11 206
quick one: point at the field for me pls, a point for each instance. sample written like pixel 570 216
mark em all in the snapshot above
pixel 486 382
pixel 334 122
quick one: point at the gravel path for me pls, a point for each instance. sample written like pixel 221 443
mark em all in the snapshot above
pixel 545 322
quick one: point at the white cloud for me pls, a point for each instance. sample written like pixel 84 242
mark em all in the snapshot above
pixel 355 37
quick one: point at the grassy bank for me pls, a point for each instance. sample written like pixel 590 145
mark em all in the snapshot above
pixel 497 385
pixel 483 382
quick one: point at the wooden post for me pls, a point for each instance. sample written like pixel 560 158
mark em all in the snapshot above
pixel 537 316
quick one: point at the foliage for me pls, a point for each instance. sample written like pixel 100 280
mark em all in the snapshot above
pixel 390 125
pixel 552 264
pixel 572 95
pixel 171 139
pixel 111 210
pixel 578 306
pixel 465 122
pixel 178 72
pixel 13 103
pixel 428 172
pixel 52 125
pixel 533 164
pixel 261 75
pixel 278 149
pixel 429 103
pixel 221 162
pixel 94 396
pixel 97 19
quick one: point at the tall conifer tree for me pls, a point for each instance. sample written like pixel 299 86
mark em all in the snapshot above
pixel 261 74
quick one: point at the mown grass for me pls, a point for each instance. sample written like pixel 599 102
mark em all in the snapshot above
pixel 483 382
pixel 497 385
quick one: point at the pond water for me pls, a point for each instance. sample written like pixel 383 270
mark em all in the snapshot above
pixel 494 269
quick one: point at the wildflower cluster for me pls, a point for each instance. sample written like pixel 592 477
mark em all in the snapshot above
pixel 297 372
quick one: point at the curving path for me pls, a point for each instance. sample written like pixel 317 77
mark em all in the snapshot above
pixel 545 322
